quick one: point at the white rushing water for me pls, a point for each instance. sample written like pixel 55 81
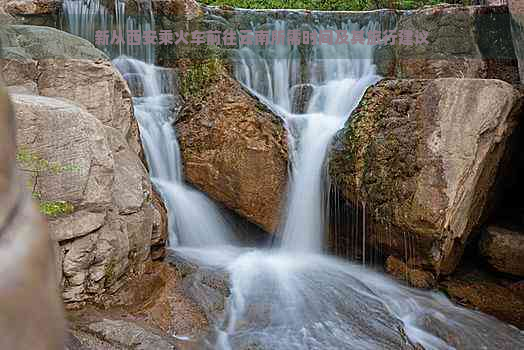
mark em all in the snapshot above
pixel 337 86
pixel 294 297
pixel 194 220
pixel 84 17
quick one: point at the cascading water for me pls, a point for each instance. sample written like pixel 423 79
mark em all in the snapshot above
pixel 293 297
pixel 337 84
pixel 84 17
pixel 194 220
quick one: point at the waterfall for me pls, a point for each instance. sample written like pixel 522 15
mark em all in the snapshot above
pixel 193 219
pixel 84 17
pixel 289 298
pixel 338 76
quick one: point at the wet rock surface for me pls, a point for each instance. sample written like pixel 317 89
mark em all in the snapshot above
pixel 494 294
pixel 260 325
pixel 424 155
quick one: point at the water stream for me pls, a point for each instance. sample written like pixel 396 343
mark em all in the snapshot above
pixel 294 297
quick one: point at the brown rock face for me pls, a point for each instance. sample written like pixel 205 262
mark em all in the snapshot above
pixel 32 7
pixel 478 290
pixel 416 278
pixel 176 7
pixel 423 155
pixel 503 249
pixel 234 150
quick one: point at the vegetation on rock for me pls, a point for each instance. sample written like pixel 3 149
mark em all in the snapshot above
pixel 36 166
pixel 330 5
pixel 199 75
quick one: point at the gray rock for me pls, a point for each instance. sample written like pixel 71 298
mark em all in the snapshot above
pixel 86 124
pixel 109 233
pixel 31 314
pixel 129 335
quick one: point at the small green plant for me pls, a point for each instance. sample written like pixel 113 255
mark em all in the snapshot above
pixel 56 208
pixel 198 76
pixel 37 166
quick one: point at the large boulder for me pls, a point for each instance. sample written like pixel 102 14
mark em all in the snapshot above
pixel 85 140
pixel 504 249
pixel 106 233
pixel 50 62
pixel 423 156
pixel 235 150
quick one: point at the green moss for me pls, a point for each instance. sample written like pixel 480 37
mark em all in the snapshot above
pixel 329 5
pixel 109 272
pixel 198 76
pixel 36 165
pixel 56 208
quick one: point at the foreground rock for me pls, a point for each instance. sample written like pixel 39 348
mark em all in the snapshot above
pixel 107 231
pixel 503 249
pixel 83 140
pixel 235 150
pixel 148 315
pixel 120 334
pixel 31 315
pixel 423 156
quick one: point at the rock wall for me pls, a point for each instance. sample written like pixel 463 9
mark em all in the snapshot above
pixel 423 155
pixel 76 116
pixel 464 42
